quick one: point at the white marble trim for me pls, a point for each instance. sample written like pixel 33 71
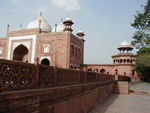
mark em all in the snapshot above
pixel 33 37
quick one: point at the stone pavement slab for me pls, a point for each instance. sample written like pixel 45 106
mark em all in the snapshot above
pixel 140 86
pixel 124 104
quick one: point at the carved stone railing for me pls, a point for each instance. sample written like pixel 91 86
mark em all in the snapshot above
pixel 92 77
pixel 105 77
pixel 124 78
pixel 45 76
pixel 67 77
pixel 16 75
pixel 20 76
pixel 40 88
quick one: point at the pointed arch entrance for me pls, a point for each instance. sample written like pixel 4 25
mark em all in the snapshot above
pixel 45 61
pixel 21 53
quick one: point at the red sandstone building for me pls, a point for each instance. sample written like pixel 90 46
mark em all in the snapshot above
pixel 60 47
pixel 122 63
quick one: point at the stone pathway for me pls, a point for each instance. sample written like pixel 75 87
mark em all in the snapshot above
pixel 131 103
pixel 140 86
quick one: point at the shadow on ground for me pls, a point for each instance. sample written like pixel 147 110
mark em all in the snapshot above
pixel 104 105
pixel 137 101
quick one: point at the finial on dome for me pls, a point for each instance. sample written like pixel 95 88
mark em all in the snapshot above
pixel 39 26
pixel 55 27
pixel 61 19
pixel 41 13
pixel 20 26
pixel 8 28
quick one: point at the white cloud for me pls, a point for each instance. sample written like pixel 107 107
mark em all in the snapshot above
pixel 68 5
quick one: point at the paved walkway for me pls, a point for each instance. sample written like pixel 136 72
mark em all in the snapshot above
pixel 140 86
pixel 131 103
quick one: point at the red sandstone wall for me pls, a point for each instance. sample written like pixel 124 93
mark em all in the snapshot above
pixel 111 68
pixel 84 103
pixel 123 69
pixel 47 89
pixel 122 87
pixel 76 56
pixel 67 99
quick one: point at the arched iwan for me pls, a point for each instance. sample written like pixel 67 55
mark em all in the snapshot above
pixel 21 53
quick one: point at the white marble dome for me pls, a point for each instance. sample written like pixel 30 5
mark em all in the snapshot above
pixel 45 27
pixel 125 44
pixel 59 28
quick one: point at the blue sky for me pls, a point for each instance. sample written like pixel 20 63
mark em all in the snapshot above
pixel 106 23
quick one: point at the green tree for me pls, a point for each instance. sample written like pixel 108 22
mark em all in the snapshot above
pixel 143 66
pixel 141 40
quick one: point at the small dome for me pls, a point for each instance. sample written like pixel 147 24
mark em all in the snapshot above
pixel 80 34
pixel 59 28
pixel 68 19
pixel 45 27
pixel 125 44
pixel 80 31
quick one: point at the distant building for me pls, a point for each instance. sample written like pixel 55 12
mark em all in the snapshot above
pixel 39 43
pixel 122 63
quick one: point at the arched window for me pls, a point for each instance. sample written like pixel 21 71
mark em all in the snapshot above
pixel 72 50
pixel 96 70
pixel 102 71
pixel 45 61
pixel 116 71
pixel 131 61
pixel 90 70
pixel 114 61
pixel 79 52
pixel 125 61
pixel 71 66
pixel 46 49
pixel 128 60
pixel 20 53
pixel 76 51
pixel 121 61
pixel 133 72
